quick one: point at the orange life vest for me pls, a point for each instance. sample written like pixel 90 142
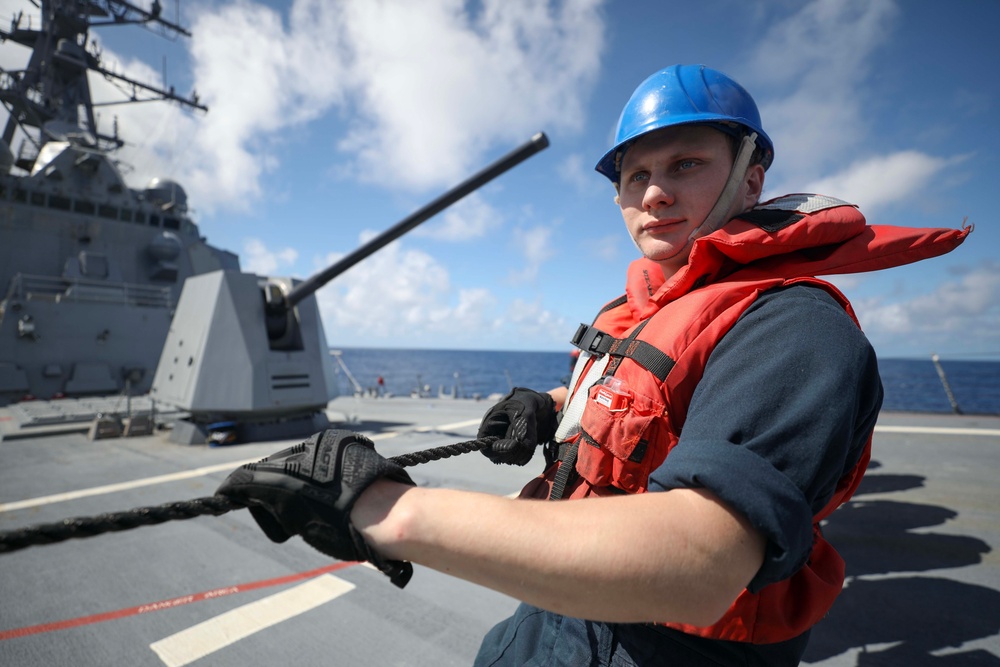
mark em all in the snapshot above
pixel 657 341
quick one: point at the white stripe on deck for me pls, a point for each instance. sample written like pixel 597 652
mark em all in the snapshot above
pixel 208 470
pixel 184 474
pixel 200 640
pixel 939 430
pixel 427 429
pixel 122 486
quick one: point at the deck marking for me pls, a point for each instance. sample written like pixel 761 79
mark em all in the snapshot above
pixel 208 470
pixel 123 486
pixel 939 430
pixel 171 603
pixel 205 638
pixel 449 427
pixel 176 476
pixel 428 429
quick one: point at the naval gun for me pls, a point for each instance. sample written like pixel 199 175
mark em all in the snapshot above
pixel 247 356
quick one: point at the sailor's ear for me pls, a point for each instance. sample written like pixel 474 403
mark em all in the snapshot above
pixel 755 184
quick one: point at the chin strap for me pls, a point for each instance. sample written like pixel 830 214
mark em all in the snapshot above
pixel 719 215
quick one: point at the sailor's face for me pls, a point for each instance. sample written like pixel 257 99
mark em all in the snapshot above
pixel 670 180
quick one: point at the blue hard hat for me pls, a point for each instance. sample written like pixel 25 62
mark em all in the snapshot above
pixel 686 95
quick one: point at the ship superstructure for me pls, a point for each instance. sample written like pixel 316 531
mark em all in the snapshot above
pixel 91 269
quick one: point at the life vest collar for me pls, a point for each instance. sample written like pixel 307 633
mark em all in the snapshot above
pixel 796 235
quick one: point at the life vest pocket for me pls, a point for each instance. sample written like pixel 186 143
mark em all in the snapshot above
pixel 616 437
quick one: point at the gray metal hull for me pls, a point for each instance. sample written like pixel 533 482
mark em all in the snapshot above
pixel 86 302
pixel 90 266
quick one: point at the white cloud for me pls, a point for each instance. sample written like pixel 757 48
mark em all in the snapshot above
pixel 578 171
pixel 437 86
pixel 813 104
pixel 470 218
pixel 427 89
pixel 475 313
pixel 533 322
pixel 404 297
pixel 257 258
pixel 962 315
pixel 882 180
pixel 818 109
pixel 607 248
pixel 535 244
pixel 258 80
pixel 393 293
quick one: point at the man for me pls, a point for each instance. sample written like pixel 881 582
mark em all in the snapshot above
pixel 718 412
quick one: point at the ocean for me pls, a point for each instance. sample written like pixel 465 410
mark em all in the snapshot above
pixel 911 385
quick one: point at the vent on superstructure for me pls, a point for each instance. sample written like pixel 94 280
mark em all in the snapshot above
pixel 290 381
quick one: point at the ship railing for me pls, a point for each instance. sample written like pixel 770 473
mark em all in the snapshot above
pixel 46 288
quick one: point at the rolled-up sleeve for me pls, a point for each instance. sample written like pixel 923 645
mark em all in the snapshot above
pixel 783 411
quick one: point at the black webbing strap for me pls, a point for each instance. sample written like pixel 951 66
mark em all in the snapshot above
pixel 596 342
pixel 567 467
pixel 646 355
pixel 652 359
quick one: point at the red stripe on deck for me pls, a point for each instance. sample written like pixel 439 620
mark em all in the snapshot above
pixel 168 604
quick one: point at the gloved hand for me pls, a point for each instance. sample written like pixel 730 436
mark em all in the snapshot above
pixel 522 420
pixel 309 490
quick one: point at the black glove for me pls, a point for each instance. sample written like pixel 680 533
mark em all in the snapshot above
pixel 522 420
pixel 309 490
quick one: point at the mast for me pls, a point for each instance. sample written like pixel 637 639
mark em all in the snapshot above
pixel 50 98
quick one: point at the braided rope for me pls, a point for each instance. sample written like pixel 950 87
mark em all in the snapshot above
pixel 80 527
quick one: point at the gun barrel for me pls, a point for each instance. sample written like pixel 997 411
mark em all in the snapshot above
pixel 536 144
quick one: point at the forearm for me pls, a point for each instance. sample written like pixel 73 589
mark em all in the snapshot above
pixel 559 396
pixel 672 556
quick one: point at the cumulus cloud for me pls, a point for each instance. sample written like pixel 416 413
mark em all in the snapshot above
pixel 437 84
pixel 878 181
pixel 257 258
pixel 607 248
pixel 532 321
pixel 535 244
pixel 391 294
pixel 816 108
pixel 470 218
pixel 428 89
pixel 404 297
pixel 259 79
pixel 578 171
pixel 961 314
pixel 810 101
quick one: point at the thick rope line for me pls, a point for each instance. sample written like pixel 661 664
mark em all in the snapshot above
pixel 79 527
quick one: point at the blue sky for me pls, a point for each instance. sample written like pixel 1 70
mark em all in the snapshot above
pixel 330 121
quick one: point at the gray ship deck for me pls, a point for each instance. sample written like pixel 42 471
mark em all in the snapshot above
pixel 920 539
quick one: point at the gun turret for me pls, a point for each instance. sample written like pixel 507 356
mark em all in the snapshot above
pixel 251 350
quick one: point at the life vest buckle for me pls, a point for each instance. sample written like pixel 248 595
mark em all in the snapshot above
pixel 592 340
